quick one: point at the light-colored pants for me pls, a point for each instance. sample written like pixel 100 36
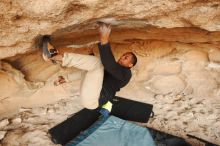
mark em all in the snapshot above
pixel 92 81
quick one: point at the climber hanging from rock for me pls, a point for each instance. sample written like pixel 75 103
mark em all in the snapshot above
pixel 104 76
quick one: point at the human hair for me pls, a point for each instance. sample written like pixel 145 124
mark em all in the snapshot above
pixel 134 58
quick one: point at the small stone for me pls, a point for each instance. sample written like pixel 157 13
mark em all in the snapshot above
pixel 4 123
pixel 2 134
pixel 50 111
pixel 188 90
pixel 16 120
pixel 178 97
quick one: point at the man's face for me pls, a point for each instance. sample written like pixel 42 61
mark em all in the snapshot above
pixel 126 60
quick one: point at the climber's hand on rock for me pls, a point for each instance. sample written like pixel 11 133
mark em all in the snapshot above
pixel 104 32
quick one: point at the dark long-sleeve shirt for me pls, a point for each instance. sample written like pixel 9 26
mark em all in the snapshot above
pixel 115 75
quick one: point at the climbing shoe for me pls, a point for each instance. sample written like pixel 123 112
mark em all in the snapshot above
pixel 48 50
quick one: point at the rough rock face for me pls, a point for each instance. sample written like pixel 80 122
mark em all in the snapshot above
pixel 179 79
pixel 22 21
pixel 177 44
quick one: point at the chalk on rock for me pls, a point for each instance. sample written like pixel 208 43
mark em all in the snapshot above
pixel 111 21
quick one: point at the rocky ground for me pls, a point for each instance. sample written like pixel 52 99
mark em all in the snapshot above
pixel 177 115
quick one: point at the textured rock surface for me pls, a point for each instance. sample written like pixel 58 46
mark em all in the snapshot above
pixel 22 21
pixel 214 55
pixel 167 84
pixel 177 44
pixel 2 134
pixel 189 116
pixel 177 78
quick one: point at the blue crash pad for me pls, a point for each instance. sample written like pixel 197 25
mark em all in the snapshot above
pixel 113 131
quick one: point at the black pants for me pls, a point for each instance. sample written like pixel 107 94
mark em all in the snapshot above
pixel 122 108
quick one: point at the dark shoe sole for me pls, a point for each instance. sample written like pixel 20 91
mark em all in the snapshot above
pixel 47 54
